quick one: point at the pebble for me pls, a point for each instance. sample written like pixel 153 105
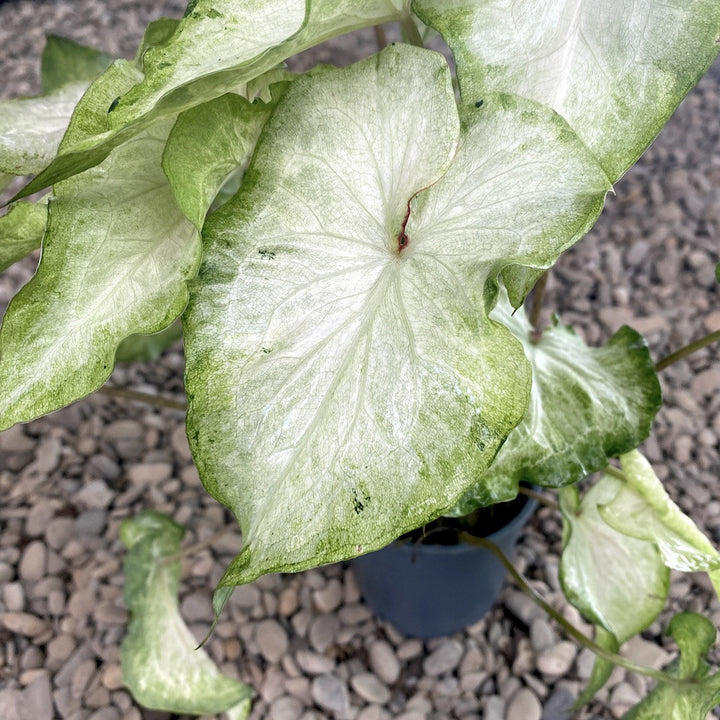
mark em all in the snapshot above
pixel 524 705
pixel 331 693
pixel 312 663
pixel 369 687
pixel 383 662
pixel 285 708
pixel 33 562
pixel 14 596
pixel 37 519
pixel 36 702
pixel 24 623
pixel 494 708
pixel 559 706
pixel 557 660
pixel 59 531
pixel 272 640
pixel 59 649
pixel 329 597
pixel 622 698
pixel 91 523
pixel 445 658
pixel 322 631
pixel 95 494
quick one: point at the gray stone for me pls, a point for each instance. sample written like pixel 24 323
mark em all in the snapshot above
pixel 33 562
pixel 445 658
pixel 524 705
pixel 104 467
pixel 14 597
pixel 196 607
pixel 36 703
pixel 39 516
pixel 312 663
pixel 494 708
pixel 555 661
pixel 322 631
pixel 272 640
pixel 370 688
pixel 622 698
pixel 59 531
pixel 559 706
pixel 331 693
pixel 286 708
pixel 383 662
pixel 108 713
pixel 95 494
pixel 328 598
pixel 10 703
pixel 91 523
pixel 24 623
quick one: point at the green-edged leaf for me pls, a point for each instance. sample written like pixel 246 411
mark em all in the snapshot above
pixel 616 581
pixel 602 669
pixel 338 344
pixel 143 348
pixel 642 509
pixel 615 70
pixel 587 405
pixel 196 72
pixel 65 61
pixel 717 272
pixel 161 665
pixel 214 38
pixel 694 635
pixel 116 257
pixel 21 231
pixel 31 129
pixel 157 33
pixel 207 145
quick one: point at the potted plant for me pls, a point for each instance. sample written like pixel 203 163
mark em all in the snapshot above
pixel 350 249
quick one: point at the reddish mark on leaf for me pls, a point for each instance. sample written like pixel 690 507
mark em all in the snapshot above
pixel 403 239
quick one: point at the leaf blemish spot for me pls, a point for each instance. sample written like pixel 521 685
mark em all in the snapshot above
pixel 479 103
pixel 403 240
pixel 267 254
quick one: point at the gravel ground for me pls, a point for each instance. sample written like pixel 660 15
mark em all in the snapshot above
pixel 306 642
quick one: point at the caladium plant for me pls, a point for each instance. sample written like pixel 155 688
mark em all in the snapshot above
pixel 349 250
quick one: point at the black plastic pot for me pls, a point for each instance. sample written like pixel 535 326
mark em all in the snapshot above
pixel 429 590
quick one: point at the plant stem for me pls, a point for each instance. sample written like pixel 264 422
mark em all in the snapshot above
pixel 156 400
pixel 615 472
pixel 689 349
pixel 409 30
pixel 196 548
pixel 380 37
pixel 568 627
pixel 540 497
pixel 537 303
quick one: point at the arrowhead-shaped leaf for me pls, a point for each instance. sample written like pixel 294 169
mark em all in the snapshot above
pixel 218 47
pixel 695 698
pixel 345 382
pixel 605 573
pixel 586 405
pixel 21 231
pixel 116 258
pixel 65 61
pixel 161 664
pixel 643 509
pixel 31 128
pixel 207 145
pixel 615 70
